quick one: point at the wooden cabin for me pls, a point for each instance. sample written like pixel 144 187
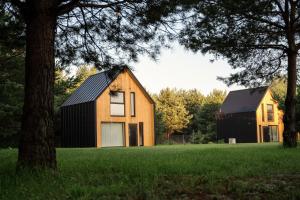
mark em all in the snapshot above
pixel 109 109
pixel 250 115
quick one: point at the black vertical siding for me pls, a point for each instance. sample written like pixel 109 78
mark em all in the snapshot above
pixel 241 126
pixel 78 125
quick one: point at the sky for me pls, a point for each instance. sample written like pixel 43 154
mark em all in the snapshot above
pixel 182 69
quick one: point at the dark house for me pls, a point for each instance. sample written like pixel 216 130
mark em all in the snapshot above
pixel 250 115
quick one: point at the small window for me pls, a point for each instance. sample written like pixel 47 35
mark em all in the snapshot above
pixel 117 104
pixel 270 111
pixel 262 112
pixel 132 104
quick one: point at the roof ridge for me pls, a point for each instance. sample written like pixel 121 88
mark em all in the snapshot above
pixel 249 89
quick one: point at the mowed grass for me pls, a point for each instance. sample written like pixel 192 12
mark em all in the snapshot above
pixel 241 171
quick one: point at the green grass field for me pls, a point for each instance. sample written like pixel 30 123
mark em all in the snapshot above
pixel 242 171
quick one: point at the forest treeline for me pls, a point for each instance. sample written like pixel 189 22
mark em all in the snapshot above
pixel 179 112
pixel 187 113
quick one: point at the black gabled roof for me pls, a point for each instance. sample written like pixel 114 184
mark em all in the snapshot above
pixel 92 87
pixel 246 100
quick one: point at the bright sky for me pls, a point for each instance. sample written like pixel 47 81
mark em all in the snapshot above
pixel 182 69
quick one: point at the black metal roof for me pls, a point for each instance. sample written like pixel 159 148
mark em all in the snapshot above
pixel 91 88
pixel 243 100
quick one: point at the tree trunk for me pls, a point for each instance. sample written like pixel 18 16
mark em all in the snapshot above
pixel 289 119
pixel 37 148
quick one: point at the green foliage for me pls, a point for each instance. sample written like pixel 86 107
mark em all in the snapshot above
pixel 200 122
pixel 160 128
pixel 171 106
pixel 65 84
pixel 278 89
pixel 207 114
pixel 193 101
pixel 200 138
pixel 163 172
pixel 12 95
pixel 114 34
pixel 249 34
pixel 11 78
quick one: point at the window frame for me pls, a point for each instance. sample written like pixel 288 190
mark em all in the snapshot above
pixel 134 106
pixel 270 113
pixel 110 103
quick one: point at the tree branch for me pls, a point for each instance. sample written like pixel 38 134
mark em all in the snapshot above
pixel 279 7
pixel 297 46
pixel 94 5
pixel 68 7
pixel 18 3
pixel 267 46
pixel 260 19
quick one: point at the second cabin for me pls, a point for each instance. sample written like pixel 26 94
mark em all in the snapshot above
pixel 250 115
pixel 109 109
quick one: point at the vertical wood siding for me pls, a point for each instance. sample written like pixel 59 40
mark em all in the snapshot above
pixel 268 99
pixel 144 109
pixel 78 125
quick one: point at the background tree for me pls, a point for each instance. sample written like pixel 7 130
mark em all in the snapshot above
pixel 174 114
pixel 65 84
pixel 278 87
pixel 193 101
pixel 207 114
pixel 93 32
pixel 11 77
pixel 159 127
pixel 258 37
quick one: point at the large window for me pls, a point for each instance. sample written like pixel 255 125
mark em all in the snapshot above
pixel 132 104
pixel 273 133
pixel 112 134
pixel 117 104
pixel 270 111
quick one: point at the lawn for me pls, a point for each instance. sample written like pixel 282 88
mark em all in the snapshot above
pixel 241 171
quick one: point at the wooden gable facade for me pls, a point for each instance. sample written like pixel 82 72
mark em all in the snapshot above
pixel 122 113
pixel 269 120
pixel 250 115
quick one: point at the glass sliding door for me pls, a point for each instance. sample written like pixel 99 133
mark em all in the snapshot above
pixel 273 132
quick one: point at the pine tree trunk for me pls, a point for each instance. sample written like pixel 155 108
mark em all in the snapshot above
pixel 289 119
pixel 37 148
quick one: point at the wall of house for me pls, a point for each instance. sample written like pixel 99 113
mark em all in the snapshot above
pixel 78 125
pixel 241 126
pixel 268 99
pixel 143 106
